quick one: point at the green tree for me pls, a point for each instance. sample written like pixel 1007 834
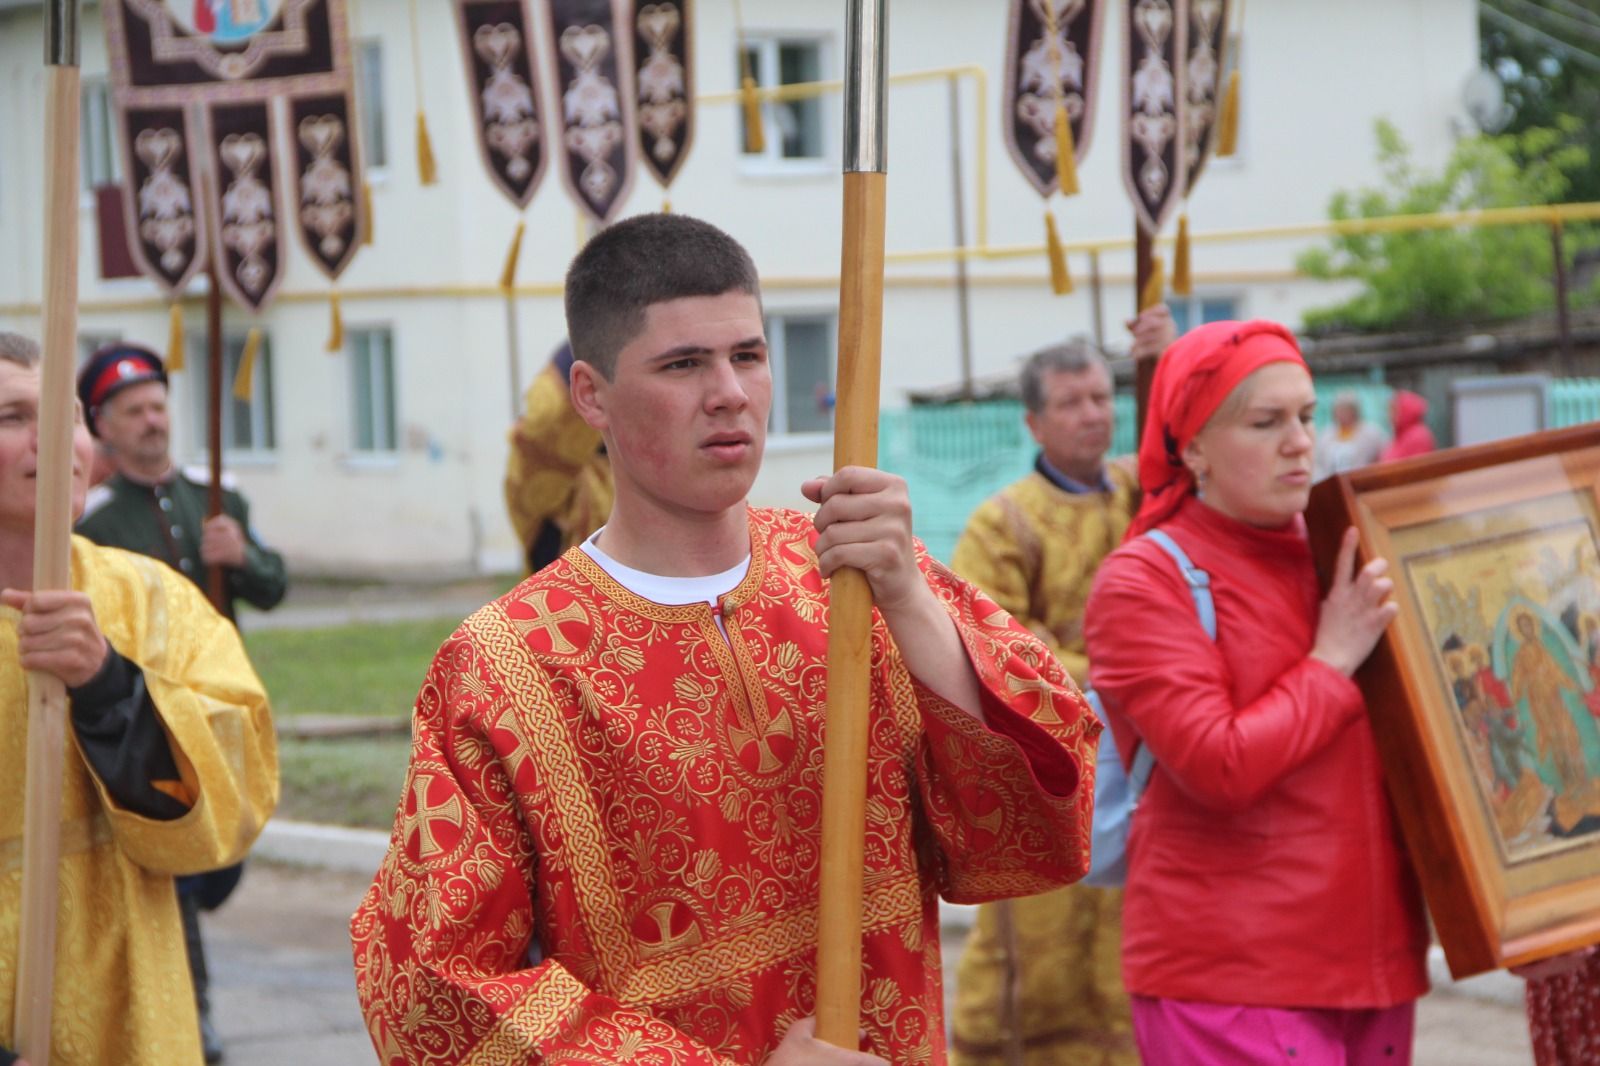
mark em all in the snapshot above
pixel 1428 277
pixel 1548 58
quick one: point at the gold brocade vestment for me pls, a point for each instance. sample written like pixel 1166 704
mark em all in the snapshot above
pixel 1043 974
pixel 123 991
pixel 556 471
pixel 640 796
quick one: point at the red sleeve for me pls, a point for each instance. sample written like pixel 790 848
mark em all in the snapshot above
pixel 1162 678
pixel 1007 801
pixel 441 939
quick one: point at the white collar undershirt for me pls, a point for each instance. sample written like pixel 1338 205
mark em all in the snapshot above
pixel 667 591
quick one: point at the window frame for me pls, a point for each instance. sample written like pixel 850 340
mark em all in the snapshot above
pixel 98 126
pixel 263 404
pixel 1193 307
pixel 772 161
pixel 778 361
pixel 372 114
pixel 377 455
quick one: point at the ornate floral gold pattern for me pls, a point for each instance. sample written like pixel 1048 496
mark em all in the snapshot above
pixel 118 866
pixel 647 811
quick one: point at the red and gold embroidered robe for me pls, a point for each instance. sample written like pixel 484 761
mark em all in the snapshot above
pixel 638 797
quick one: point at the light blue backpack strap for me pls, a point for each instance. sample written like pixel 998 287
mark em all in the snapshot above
pixel 1198 580
pixel 1199 583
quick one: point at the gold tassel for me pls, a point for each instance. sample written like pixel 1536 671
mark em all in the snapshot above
pixel 1228 120
pixel 508 273
pixel 1060 280
pixel 175 338
pixel 755 138
pixel 244 380
pixel 1155 285
pixel 336 323
pixel 1182 280
pixel 366 214
pixel 427 169
pixel 666 206
pixel 1066 153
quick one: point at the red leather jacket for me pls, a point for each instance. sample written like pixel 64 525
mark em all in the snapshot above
pixel 1265 867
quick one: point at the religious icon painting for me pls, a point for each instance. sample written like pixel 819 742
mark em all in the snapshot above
pixel 1155 166
pixel 1484 695
pixel 235 115
pixel 503 85
pixel 1052 55
pixel 664 76
pixel 591 54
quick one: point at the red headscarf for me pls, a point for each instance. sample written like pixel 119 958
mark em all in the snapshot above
pixel 1192 379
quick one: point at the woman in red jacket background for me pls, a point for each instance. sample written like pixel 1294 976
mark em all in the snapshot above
pixel 1270 912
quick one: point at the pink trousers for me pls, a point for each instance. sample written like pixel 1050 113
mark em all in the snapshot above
pixel 1172 1032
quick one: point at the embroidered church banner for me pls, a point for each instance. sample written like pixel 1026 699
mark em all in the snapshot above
pixel 592 59
pixel 665 79
pixel 1155 168
pixel 503 85
pixel 1037 70
pixel 208 94
pixel 1208 30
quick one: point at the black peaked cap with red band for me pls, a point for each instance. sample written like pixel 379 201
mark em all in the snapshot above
pixel 112 369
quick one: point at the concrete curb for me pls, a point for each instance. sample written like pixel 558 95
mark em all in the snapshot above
pixel 359 851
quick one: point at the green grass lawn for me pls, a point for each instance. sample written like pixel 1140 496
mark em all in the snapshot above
pixel 369 669
pixel 353 782
pixel 365 669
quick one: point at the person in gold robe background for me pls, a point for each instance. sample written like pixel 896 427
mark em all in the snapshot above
pixel 558 480
pixel 172 767
pixel 1040 981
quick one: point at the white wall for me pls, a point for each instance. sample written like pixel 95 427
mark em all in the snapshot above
pixel 1306 131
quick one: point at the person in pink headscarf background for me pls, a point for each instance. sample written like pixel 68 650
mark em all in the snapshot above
pixel 1411 434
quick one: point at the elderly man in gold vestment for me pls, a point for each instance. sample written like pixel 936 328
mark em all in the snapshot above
pixel 172 768
pixel 1040 981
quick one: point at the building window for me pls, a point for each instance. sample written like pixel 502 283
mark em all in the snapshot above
pixel 246 427
pixel 91 342
pixel 801 349
pixel 1191 311
pixel 793 128
pixel 372 407
pixel 99 164
pixel 369 103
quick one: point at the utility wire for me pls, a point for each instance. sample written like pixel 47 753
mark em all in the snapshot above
pixel 1588 31
pixel 1588 14
pixel 1521 29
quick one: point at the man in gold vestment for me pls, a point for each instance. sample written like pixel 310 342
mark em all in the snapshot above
pixel 1040 979
pixel 558 479
pixel 172 768
pixel 608 844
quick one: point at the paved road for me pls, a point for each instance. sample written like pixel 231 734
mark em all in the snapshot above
pixel 284 993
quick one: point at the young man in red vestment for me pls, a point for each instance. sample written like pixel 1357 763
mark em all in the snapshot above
pixel 607 845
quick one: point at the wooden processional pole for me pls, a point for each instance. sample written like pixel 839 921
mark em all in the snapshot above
pixel 850 610
pixel 52 537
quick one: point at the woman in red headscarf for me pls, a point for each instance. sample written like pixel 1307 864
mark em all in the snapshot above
pixel 1270 914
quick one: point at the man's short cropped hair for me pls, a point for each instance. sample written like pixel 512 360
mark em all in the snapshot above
pixel 1075 356
pixel 644 260
pixel 19 350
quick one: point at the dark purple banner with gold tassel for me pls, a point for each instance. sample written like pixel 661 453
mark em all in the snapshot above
pixel 591 57
pixel 664 75
pixel 1037 77
pixel 503 84
pixel 209 96
pixel 162 195
pixel 1208 38
pixel 1155 168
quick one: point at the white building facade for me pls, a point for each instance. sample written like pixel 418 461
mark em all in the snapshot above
pixel 387 457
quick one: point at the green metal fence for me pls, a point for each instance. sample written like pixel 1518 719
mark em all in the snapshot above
pixel 955 456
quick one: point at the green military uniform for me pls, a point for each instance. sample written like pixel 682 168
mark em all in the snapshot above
pixel 165 521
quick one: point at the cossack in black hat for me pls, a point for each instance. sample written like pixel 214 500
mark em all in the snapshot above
pixel 112 369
